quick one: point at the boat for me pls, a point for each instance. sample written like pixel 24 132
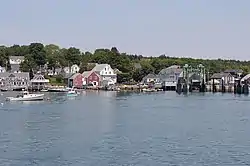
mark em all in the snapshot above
pixel 44 90
pixel 58 90
pixel 72 93
pixel 149 90
pixel 4 89
pixel 26 96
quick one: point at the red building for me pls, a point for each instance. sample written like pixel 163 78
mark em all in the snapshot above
pixel 76 80
pixel 91 77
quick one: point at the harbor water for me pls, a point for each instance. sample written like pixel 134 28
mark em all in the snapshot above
pixel 126 129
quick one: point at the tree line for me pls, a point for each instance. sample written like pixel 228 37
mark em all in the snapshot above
pixel 38 54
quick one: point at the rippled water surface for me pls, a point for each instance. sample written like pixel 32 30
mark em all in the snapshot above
pixel 126 129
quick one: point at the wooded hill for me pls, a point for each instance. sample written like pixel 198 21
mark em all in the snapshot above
pixel 37 54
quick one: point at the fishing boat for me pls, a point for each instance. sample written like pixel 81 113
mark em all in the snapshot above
pixel 26 96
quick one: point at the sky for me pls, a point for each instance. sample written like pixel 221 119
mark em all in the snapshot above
pixel 180 28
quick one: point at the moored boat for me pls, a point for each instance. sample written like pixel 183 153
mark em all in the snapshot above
pixel 72 93
pixel 26 96
pixel 4 89
pixel 149 90
pixel 58 90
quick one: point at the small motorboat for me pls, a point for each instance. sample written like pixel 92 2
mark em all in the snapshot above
pixel 72 93
pixel 4 89
pixel 26 96
pixel 44 90
pixel 149 90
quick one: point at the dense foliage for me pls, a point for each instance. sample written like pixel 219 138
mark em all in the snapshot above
pixel 37 55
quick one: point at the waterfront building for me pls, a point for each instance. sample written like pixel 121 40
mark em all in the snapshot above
pixel 91 78
pixel 151 78
pixel 76 80
pixel 14 80
pixel 226 77
pixel 170 76
pixel 236 73
pixel 38 82
pixel 246 78
pixel 107 74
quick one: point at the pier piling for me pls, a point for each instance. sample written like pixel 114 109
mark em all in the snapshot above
pixel 245 88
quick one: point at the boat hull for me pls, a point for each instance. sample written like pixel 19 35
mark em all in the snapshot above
pixel 32 98
pixel 72 95
pixel 57 90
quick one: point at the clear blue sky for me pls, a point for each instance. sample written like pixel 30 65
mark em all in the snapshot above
pixel 189 28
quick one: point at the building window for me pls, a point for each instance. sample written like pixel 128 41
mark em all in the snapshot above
pixel 106 73
pixel 90 77
pixel 110 72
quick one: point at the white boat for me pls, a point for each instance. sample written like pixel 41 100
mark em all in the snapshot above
pixel 72 93
pixel 26 96
pixel 58 90
pixel 149 90
pixel 44 90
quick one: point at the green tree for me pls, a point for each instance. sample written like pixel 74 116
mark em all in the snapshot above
pixel 52 55
pixel 28 64
pixel 37 51
pixel 3 56
pixel 73 56
pixel 124 77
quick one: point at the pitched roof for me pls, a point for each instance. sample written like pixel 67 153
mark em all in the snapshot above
pixel 16 57
pixel 99 67
pixel 246 77
pixel 171 70
pixel 117 71
pixel 151 75
pixel 233 71
pixel 219 75
pixel 74 75
pixel 23 74
pixel 174 67
pixel 86 73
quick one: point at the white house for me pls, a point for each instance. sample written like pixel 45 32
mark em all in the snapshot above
pixel 73 69
pixel 169 76
pixel 226 77
pixel 16 60
pixel 2 69
pixel 106 72
pixel 55 72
